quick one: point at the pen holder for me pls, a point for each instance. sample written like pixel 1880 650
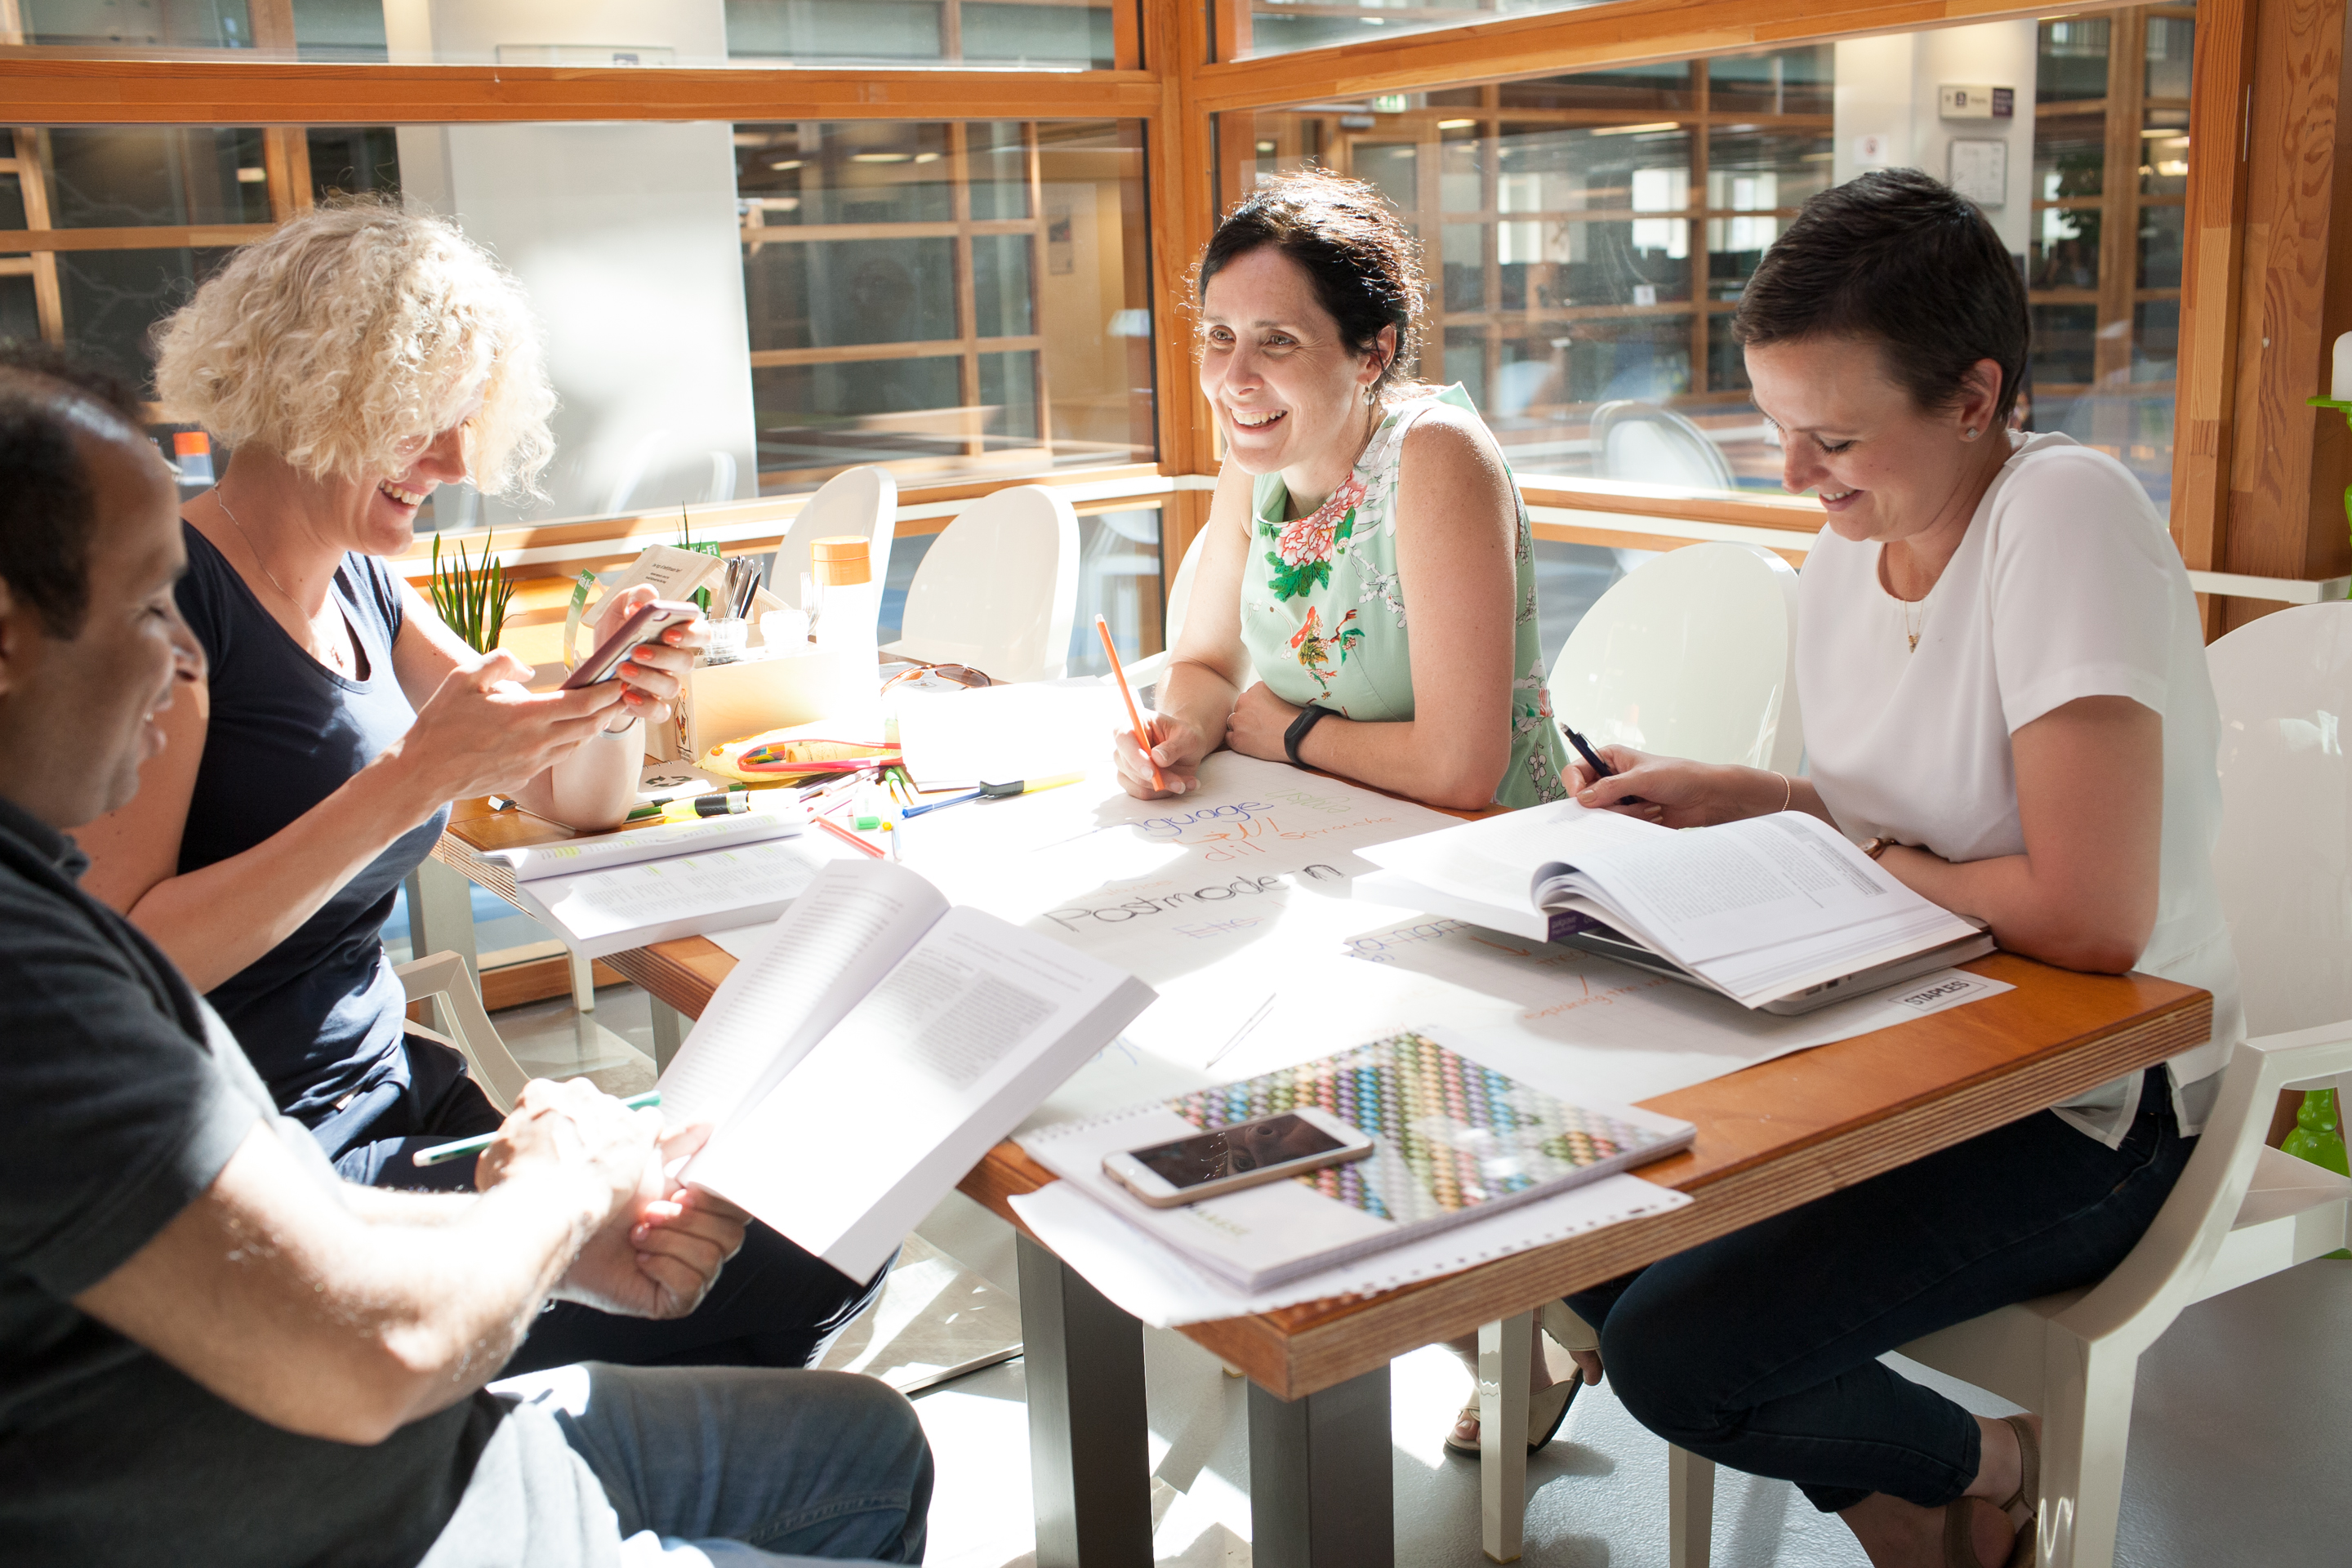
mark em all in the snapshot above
pixel 724 702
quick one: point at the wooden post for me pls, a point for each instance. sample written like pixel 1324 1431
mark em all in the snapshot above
pixel 2288 463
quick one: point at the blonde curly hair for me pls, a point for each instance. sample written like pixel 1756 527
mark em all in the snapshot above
pixel 351 335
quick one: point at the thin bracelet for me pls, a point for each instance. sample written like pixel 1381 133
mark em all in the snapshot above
pixel 1788 787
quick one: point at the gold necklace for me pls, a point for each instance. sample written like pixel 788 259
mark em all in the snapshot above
pixel 1909 630
pixel 334 651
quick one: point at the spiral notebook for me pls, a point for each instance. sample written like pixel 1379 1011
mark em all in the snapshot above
pixel 1454 1142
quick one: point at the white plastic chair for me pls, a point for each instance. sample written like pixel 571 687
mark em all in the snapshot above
pixel 2241 1212
pixel 1694 654
pixel 1147 671
pixel 998 589
pixel 862 501
pixel 1654 446
pixel 458 1009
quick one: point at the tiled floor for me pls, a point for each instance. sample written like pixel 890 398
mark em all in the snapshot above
pixel 2240 1448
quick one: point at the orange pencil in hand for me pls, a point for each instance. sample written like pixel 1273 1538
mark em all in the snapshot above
pixel 1134 716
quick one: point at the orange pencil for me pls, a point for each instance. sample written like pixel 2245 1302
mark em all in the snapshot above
pixel 1134 716
pixel 846 837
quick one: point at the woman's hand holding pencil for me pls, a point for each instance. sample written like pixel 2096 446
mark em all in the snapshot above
pixel 1170 764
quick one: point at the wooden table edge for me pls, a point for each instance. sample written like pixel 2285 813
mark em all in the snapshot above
pixel 1301 1350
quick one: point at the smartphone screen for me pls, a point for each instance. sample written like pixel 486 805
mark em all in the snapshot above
pixel 1231 1151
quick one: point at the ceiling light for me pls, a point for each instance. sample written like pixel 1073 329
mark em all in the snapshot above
pixel 1454 124
pixel 1636 130
pixel 881 157
pixel 1266 146
pixel 785 163
pixel 927 157
pixel 251 176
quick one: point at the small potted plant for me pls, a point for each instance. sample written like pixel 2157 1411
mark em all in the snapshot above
pixel 472 598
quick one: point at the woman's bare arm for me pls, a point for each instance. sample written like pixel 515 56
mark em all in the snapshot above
pixel 2090 798
pixel 1457 521
pixel 1198 688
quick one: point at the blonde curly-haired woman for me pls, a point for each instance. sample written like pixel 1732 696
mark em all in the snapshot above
pixel 354 360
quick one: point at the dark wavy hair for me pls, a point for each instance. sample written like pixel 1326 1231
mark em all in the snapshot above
pixel 1365 265
pixel 1899 257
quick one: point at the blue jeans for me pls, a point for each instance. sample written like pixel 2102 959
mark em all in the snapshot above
pixel 745 1467
pixel 1759 1350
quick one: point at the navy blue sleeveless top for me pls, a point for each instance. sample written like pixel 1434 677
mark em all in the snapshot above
pixel 320 1012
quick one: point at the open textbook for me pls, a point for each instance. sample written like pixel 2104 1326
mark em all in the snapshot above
pixel 1454 1142
pixel 1779 913
pixel 874 1048
pixel 644 884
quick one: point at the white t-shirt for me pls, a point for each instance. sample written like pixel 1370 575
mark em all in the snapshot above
pixel 2067 586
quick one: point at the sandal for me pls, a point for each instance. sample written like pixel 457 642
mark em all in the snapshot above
pixel 1960 1533
pixel 2028 1492
pixel 1547 1409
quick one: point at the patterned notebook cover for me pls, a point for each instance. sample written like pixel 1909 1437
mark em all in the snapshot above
pixel 1452 1135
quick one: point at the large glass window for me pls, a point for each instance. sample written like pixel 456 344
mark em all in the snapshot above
pixel 1249 28
pixel 732 311
pixel 951 297
pixel 1055 34
pixel 1589 236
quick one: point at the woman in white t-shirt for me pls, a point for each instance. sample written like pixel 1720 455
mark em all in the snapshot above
pixel 2003 675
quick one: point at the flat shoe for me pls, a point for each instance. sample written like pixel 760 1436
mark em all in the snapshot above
pixel 2028 1492
pixel 1547 1409
pixel 1960 1532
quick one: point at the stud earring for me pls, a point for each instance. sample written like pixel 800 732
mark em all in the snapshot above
pixel 1970 434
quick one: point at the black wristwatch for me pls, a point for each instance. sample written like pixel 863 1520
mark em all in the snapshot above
pixel 1296 736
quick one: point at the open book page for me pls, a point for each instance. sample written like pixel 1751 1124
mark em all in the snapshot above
pixel 776 813
pixel 1738 887
pixel 963 1036
pixel 603 911
pixel 1479 869
pixel 855 920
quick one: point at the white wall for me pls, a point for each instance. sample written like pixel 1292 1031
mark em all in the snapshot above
pixel 626 237
pixel 1887 87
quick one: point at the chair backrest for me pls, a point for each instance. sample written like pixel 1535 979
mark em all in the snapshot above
pixel 2287 814
pixel 863 501
pixel 1693 655
pixel 998 588
pixel 1655 446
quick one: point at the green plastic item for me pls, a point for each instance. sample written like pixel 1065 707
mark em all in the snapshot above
pixel 2318 1134
pixel 2319 1137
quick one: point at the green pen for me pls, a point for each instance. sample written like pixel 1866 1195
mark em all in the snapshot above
pixel 442 1153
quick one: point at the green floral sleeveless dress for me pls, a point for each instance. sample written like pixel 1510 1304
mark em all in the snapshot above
pixel 1323 616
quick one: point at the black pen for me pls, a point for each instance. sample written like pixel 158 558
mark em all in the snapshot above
pixel 1600 770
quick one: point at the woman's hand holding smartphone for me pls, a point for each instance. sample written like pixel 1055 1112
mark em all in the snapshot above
pixel 648 645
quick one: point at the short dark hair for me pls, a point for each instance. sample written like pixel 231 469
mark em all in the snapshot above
pixel 48 507
pixel 1902 258
pixel 1365 265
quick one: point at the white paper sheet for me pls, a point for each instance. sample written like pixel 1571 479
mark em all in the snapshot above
pixel 603 912
pixel 1153 1283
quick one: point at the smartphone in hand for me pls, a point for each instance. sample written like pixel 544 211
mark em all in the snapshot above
pixel 640 629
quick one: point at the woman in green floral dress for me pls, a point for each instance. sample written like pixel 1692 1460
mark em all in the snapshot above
pixel 1350 497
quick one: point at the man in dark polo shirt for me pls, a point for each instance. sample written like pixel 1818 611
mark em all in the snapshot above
pixel 211 1349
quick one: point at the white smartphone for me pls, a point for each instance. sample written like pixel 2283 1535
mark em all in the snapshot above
pixel 1242 1155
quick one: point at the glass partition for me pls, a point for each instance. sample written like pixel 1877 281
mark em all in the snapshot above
pixel 1588 237
pixel 1245 29
pixel 1031 34
pixel 732 311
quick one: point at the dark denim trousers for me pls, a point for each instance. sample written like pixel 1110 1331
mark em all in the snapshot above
pixel 1759 1350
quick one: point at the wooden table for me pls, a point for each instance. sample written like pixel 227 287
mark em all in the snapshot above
pixel 1770 1137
